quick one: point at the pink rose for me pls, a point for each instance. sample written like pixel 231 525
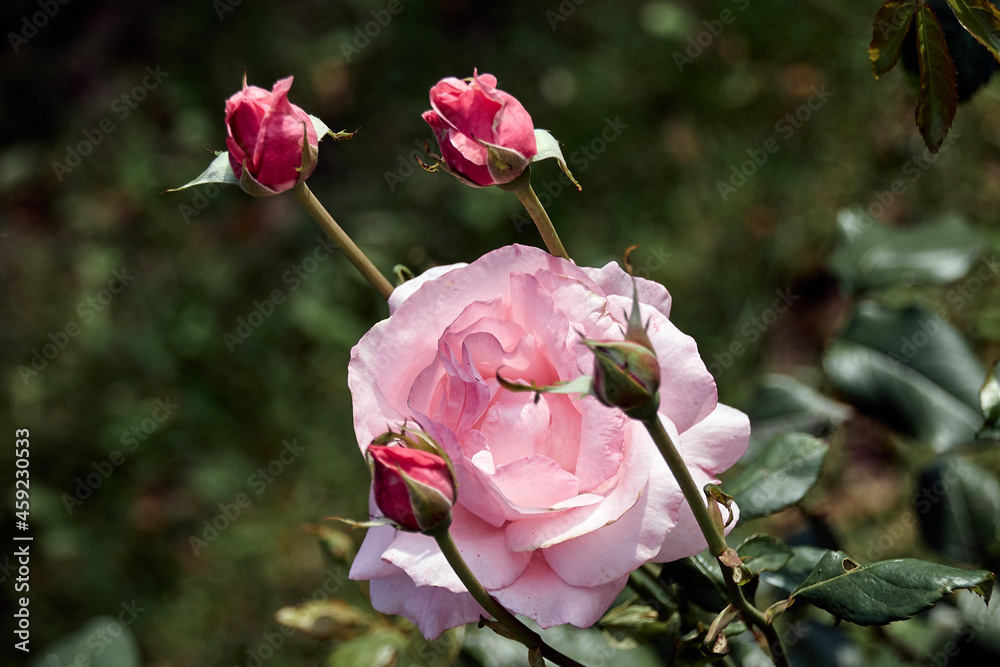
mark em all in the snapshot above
pixel 266 132
pixel 559 500
pixel 472 119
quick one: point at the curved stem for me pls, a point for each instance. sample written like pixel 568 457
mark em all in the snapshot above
pixel 343 241
pixel 521 632
pixel 714 536
pixel 521 186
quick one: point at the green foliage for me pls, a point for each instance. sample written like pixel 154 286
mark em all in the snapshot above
pixel 875 256
pixel 779 476
pixel 989 401
pixel 764 553
pixel 783 404
pixel 101 642
pixel 982 20
pixel 960 511
pixel 798 568
pixel 912 369
pixel 699 579
pixel 891 24
pixel 949 70
pixel 937 100
pixel 885 591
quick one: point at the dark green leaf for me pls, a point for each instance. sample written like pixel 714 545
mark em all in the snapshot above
pixel 938 97
pixel 779 476
pixel 989 402
pixel 700 579
pixel 912 370
pixel 874 256
pixel 763 552
pixel 782 404
pixel 891 24
pixel 982 20
pixel 791 576
pixel 959 508
pixel 885 591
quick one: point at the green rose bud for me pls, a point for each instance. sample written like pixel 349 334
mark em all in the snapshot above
pixel 626 376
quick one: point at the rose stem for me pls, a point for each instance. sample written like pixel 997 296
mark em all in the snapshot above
pixel 343 241
pixel 521 186
pixel 715 538
pixel 521 632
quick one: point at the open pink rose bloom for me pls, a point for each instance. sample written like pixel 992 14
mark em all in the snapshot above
pixel 265 131
pixel 559 500
pixel 466 117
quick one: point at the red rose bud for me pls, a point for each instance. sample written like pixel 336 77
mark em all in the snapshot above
pixel 626 376
pixel 486 136
pixel 414 488
pixel 268 135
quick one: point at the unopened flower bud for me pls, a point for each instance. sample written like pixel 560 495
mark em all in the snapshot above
pixel 273 145
pixel 414 488
pixel 485 135
pixel 626 376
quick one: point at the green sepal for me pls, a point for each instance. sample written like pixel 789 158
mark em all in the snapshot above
pixel 548 147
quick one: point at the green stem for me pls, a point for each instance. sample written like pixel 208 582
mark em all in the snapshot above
pixel 521 632
pixel 343 241
pixel 521 186
pixel 714 536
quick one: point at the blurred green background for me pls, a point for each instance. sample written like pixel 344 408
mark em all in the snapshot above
pixel 201 259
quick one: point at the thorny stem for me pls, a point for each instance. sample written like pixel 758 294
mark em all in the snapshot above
pixel 521 632
pixel 715 538
pixel 343 241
